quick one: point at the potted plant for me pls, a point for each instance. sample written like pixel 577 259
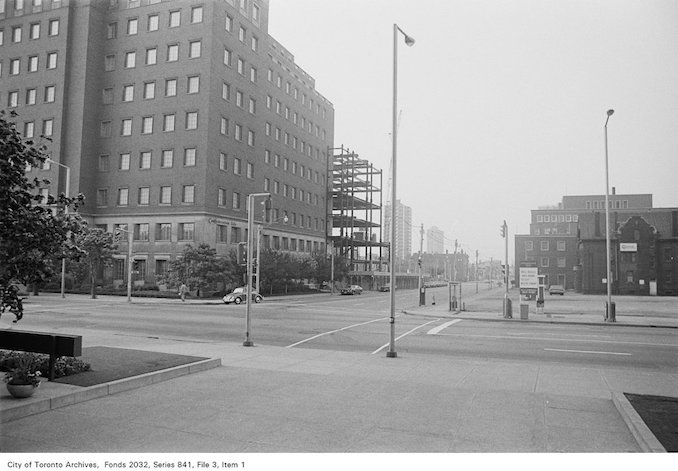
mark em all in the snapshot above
pixel 24 378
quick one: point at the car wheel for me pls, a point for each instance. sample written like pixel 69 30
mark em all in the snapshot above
pixel 257 299
pixel 237 300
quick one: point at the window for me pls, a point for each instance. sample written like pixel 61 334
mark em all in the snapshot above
pixel 145 160
pixel 250 138
pixel 174 18
pixel 188 194
pixel 236 200
pixel 132 26
pixel 168 123
pixel 31 95
pixel 529 245
pixel 196 15
pixel 47 127
pixel 253 74
pixel 153 22
pixel 267 185
pixel 147 125
pixel 228 26
pixel 124 162
pixel 236 166
pixel 194 49
pixel 227 57
pixel 130 60
pixel 224 126
pixel 186 231
pixel 53 27
pixel 544 245
pixel 189 157
pixel 560 246
pixel 144 199
pixel 13 99
pixel 141 230
pixel 544 262
pixel 149 90
pixel 192 120
pixel 223 161
pixel 221 198
pixel 242 33
pixel 32 63
pixel 16 34
pixel 172 52
pixel 102 197
pixel 238 132
pixel 225 91
pixel 238 99
pixel 193 84
pixel 152 56
pixel 166 195
pixel 163 231
pixel 167 158
pixel 126 127
pixel 123 196
pixel 250 170
pixel 112 31
pixel 241 66
pixel 106 95
pixel 29 129
pixel 109 63
pixel 104 163
pixel 128 93
pixel 171 87
pixel 105 129
pixel 254 43
pixel 34 31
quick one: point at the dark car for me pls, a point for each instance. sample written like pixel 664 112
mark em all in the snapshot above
pixel 239 295
pixel 353 289
pixel 556 289
pixel 385 288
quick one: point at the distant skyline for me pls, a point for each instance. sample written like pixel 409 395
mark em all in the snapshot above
pixel 503 102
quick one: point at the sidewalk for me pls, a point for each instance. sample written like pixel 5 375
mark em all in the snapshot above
pixel 273 399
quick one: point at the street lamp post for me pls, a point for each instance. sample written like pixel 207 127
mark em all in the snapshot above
pixel 610 315
pixel 250 243
pixel 391 353
pixel 68 193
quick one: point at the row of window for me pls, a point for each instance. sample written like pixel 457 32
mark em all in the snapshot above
pixel 557 217
pixel 32 63
pixel 16 33
pixel 616 204
pixel 544 245
pixel 36 6
pixel 31 96
pixel 147 125
pixel 545 262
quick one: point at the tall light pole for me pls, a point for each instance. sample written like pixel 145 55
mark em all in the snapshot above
pixel 68 193
pixel 610 315
pixel 391 353
pixel 250 256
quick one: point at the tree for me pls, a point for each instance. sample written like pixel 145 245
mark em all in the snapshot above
pixel 97 247
pixel 33 231
pixel 199 267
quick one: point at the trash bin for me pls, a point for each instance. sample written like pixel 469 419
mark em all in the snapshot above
pixel 610 312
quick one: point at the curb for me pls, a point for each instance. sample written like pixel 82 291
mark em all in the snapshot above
pixel 646 440
pixel 105 389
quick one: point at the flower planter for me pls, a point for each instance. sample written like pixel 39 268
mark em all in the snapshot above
pixel 21 390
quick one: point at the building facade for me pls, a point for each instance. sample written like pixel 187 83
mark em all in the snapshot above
pixel 403 230
pixel 168 114
pixel 568 244
pixel 435 240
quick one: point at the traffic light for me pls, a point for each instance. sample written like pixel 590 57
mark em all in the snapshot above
pixel 503 231
pixel 503 270
pixel 242 253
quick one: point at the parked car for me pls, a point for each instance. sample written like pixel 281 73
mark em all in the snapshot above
pixel 556 289
pixel 240 294
pixel 385 288
pixel 353 289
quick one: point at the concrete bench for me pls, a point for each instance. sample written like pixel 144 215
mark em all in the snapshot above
pixel 54 345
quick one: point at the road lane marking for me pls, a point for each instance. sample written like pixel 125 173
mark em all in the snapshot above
pixel 509 337
pixel 585 351
pixel 335 331
pixel 436 330
pixel 406 333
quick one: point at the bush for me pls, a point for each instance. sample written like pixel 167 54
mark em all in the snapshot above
pixel 64 366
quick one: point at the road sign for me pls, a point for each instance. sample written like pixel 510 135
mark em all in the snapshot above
pixel 529 278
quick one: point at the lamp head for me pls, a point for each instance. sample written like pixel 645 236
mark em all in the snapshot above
pixel 409 40
pixel 610 112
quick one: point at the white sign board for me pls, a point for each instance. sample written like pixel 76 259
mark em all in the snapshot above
pixel 529 277
pixel 628 247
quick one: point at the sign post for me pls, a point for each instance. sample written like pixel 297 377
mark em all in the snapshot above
pixel 529 285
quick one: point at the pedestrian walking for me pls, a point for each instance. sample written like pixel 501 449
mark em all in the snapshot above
pixel 183 289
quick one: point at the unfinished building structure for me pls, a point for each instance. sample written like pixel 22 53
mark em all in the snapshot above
pixel 356 203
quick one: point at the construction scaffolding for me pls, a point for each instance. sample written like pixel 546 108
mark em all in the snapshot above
pixel 356 203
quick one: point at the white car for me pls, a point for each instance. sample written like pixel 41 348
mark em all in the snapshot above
pixel 239 295
pixel 353 289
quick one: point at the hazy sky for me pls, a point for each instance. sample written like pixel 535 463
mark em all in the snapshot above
pixel 503 101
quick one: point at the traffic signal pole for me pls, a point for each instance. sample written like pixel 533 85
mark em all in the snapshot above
pixel 250 243
pixel 507 307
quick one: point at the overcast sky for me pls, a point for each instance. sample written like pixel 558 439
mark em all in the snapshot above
pixel 503 101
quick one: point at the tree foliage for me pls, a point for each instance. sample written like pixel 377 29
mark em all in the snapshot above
pixel 33 232
pixel 200 267
pixel 97 247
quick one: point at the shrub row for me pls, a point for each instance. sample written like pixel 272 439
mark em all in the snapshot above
pixel 65 366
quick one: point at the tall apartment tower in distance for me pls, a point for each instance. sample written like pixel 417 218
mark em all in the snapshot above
pixel 403 227
pixel 435 240
pixel 168 114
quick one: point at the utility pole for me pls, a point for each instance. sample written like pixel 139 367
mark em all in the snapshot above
pixel 422 300
pixel 507 302
pixel 476 271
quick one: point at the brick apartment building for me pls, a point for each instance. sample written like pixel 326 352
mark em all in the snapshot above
pixel 568 244
pixel 169 113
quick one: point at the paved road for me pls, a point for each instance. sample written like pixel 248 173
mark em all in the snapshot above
pixel 360 324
